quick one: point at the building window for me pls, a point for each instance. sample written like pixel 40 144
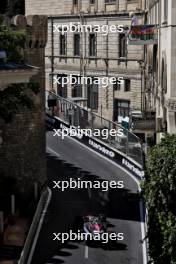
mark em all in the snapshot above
pixel 75 2
pixel 61 87
pixel 92 45
pixel 92 2
pixel 116 86
pixel 110 1
pixel 121 110
pixel 77 88
pixel 77 45
pixel 165 10
pixel 127 85
pixel 122 45
pixel 63 40
pixel 164 76
pixel 92 95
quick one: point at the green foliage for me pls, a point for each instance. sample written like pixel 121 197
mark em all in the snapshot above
pixel 3 6
pixel 15 7
pixel 159 189
pixel 12 42
pixel 14 99
pixel 34 87
pixel 12 7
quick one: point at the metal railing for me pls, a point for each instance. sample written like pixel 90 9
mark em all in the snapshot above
pixel 75 115
pixel 30 243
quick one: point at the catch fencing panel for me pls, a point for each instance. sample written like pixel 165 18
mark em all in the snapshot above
pixel 117 137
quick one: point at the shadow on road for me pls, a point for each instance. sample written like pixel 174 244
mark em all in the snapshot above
pixel 67 206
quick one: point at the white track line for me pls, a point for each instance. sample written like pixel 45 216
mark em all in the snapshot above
pixel 54 152
pixel 86 253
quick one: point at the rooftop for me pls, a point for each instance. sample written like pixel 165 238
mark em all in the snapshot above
pixel 11 73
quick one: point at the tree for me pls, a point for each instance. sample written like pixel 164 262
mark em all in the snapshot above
pixel 15 97
pixel 12 42
pixel 12 7
pixel 3 6
pixel 159 189
pixel 16 7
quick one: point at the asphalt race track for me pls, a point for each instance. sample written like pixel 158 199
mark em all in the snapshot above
pixel 69 159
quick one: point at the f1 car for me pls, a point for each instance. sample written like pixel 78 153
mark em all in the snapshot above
pixel 94 224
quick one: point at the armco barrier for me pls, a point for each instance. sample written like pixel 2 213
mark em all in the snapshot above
pixel 29 246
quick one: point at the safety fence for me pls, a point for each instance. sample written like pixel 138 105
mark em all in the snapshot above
pixel 78 116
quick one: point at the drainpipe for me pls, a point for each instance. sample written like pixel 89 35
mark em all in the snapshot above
pixel 52 51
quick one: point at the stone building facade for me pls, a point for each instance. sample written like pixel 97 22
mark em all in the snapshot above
pixel 22 140
pixel 91 54
pixel 161 63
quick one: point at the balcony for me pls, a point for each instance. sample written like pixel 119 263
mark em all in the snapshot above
pixel 82 102
pixel 141 124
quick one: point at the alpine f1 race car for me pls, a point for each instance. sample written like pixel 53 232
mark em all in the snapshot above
pixel 94 224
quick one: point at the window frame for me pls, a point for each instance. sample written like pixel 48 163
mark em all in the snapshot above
pixel 62 91
pixel 75 2
pixel 92 2
pixel 165 10
pixel 121 37
pixel 76 90
pixel 93 54
pixel 127 85
pixel 61 37
pixel 116 86
pixel 120 109
pixel 74 45
pixel 92 95
pixel 110 2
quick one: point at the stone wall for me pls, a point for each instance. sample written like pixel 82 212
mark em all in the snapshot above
pixel 107 48
pixel 100 13
pixel 56 7
pixel 164 90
